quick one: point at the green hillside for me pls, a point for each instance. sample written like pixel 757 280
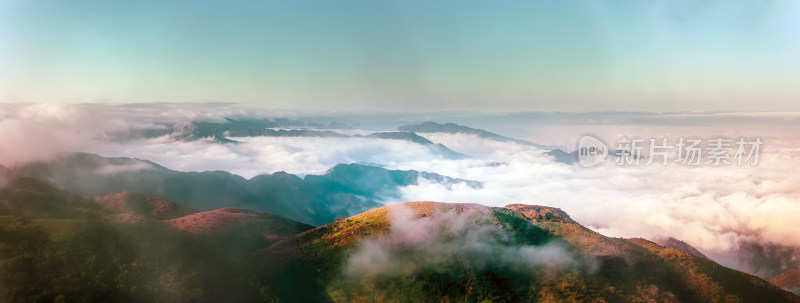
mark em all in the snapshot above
pixel 57 247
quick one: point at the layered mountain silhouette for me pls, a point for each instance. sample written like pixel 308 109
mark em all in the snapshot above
pixel 82 227
pixel 415 251
pixel 344 190
pixel 558 155
pixel 227 132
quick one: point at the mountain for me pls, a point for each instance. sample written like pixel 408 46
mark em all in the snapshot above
pixel 26 197
pixel 673 243
pixel 404 136
pixel 140 207
pixel 415 251
pixel 228 131
pixel 69 256
pixel 412 137
pixel 563 157
pixel 452 128
pixel 442 252
pixel 301 133
pixel 789 280
pixel 558 155
pixel 6 174
pixel 244 226
pixel 345 190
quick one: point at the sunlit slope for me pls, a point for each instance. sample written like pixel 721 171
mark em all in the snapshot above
pixel 471 253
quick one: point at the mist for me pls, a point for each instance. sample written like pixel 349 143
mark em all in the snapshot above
pixel 433 242
pixel 725 212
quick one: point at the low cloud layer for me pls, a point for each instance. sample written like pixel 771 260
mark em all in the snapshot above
pixel 738 216
pixel 438 241
pixel 722 211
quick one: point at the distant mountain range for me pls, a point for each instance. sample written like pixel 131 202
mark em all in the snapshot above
pixel 559 155
pixel 228 132
pixel 344 190
pixel 55 246
pixel 452 128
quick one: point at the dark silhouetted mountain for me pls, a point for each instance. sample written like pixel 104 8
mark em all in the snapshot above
pixel 246 128
pixel 673 243
pixel 343 191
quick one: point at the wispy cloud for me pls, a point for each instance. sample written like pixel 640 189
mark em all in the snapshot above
pixel 719 210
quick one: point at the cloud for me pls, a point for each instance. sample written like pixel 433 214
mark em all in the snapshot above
pixel 719 210
pixel 438 241
pixel 123 168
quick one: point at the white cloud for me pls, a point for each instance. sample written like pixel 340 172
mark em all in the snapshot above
pixel 417 243
pixel 715 209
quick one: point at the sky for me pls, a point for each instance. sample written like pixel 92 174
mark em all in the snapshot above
pixel 650 55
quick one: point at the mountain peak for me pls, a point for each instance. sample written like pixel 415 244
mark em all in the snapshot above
pixel 541 213
pixel 673 243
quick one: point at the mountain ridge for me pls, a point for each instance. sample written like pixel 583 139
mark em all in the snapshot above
pixel 789 280
pixel 346 189
pixel 431 250
pixel 592 266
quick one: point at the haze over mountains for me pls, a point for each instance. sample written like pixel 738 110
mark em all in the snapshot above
pixel 437 251
pixel 228 131
pixel 344 190
pixel 740 217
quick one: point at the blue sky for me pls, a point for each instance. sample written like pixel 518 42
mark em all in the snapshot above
pixel 466 55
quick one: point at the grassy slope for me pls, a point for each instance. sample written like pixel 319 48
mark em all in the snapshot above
pixel 58 247
pixel 619 270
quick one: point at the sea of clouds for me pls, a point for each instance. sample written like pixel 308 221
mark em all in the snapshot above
pixel 742 217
